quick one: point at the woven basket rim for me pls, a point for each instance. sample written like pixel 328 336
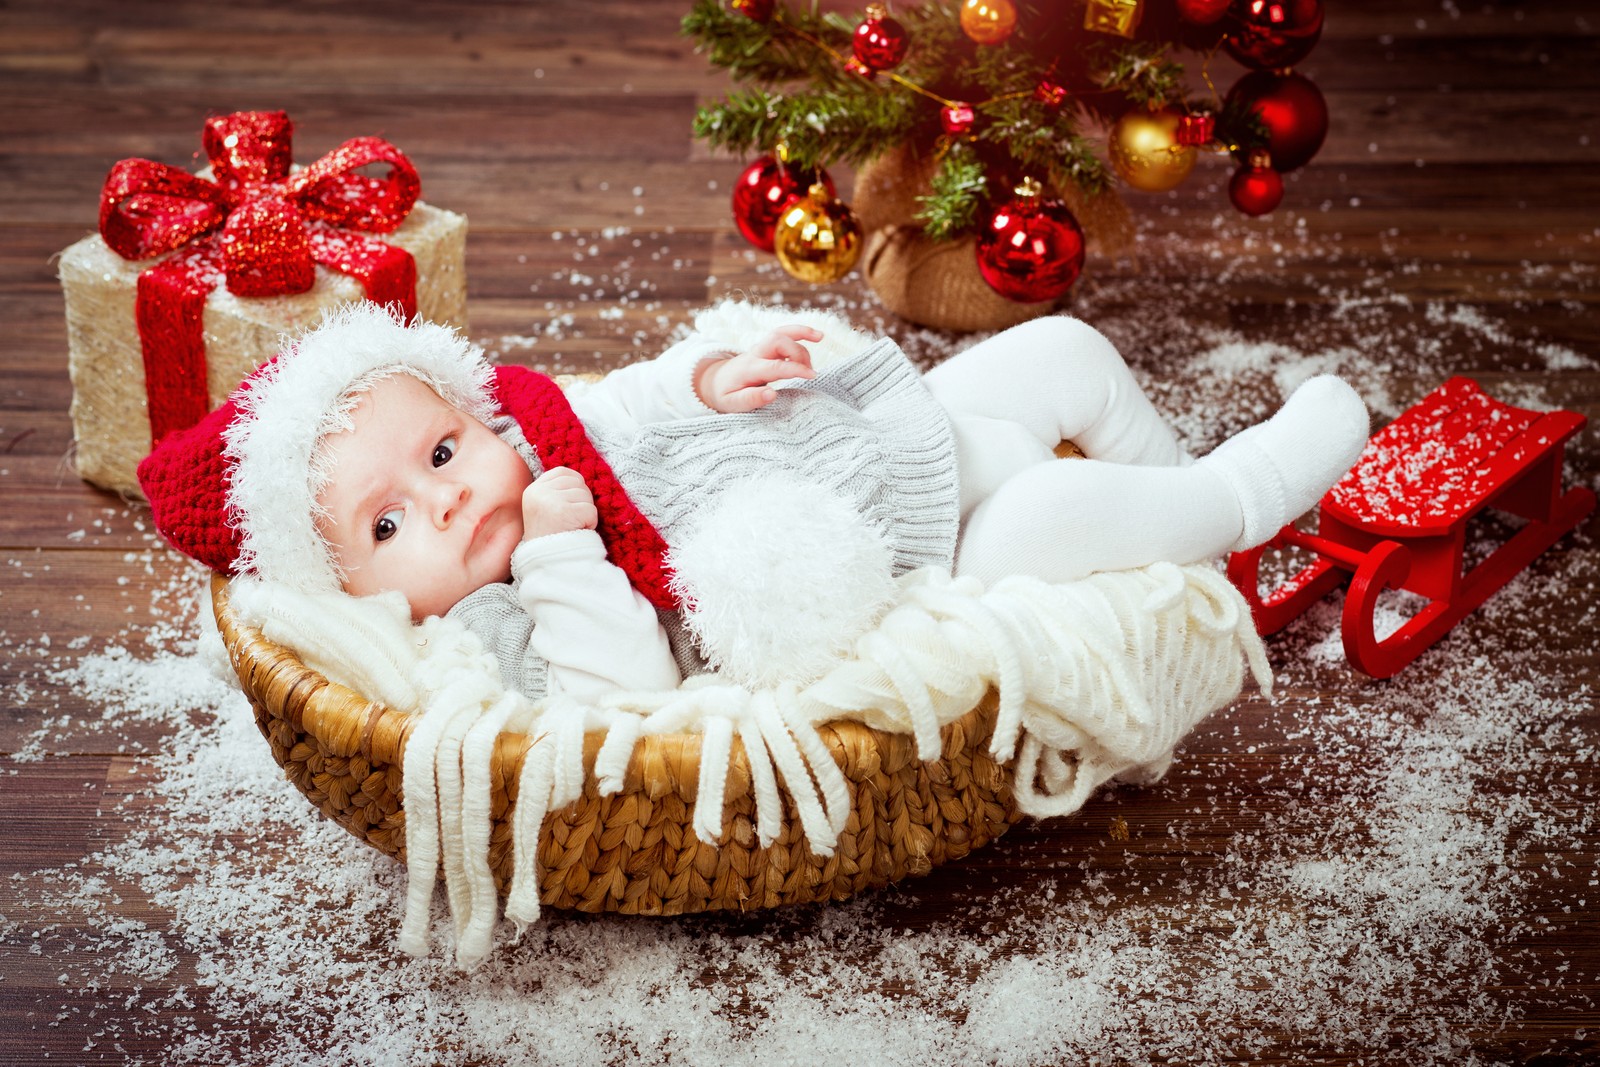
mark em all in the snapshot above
pixel 352 724
pixel 635 850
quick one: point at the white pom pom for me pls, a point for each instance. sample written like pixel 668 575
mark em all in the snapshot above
pixel 781 576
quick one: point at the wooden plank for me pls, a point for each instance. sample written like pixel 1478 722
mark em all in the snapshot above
pixel 47 505
pixel 1411 65
pixel 32 433
pixel 56 206
pixel 622 265
pixel 641 58
pixel 36 382
pixel 462 126
pixel 363 20
pixel 59 605
pixel 71 806
pixel 71 591
pixel 537 194
pixel 1461 124
pixel 54 805
pixel 71 42
pixel 1376 19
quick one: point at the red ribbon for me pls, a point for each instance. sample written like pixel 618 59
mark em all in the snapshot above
pixel 255 226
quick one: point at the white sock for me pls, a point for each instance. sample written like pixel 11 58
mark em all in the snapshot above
pixel 1282 467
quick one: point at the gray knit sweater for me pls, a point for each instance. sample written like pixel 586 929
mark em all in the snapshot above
pixel 866 428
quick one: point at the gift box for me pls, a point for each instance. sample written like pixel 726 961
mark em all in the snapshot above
pixel 194 279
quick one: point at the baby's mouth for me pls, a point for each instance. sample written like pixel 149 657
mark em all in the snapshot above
pixel 484 530
pixel 475 542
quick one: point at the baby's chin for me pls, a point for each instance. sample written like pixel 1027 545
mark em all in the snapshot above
pixel 440 603
pixel 428 609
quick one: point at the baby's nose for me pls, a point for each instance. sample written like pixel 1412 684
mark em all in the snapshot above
pixel 452 496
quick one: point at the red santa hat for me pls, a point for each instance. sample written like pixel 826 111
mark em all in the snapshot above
pixel 238 491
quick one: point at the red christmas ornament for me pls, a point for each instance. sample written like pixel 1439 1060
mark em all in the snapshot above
pixel 1031 250
pixel 1255 188
pixel 957 121
pixel 880 41
pixel 1273 34
pixel 1293 111
pixel 1196 130
pixel 758 10
pixel 762 192
pixel 1202 12
pixel 1050 94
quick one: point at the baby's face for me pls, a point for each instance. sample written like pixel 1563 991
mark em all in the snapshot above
pixel 422 498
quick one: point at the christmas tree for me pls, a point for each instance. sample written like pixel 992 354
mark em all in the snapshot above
pixel 998 104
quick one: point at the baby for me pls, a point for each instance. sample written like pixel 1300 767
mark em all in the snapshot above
pixel 376 456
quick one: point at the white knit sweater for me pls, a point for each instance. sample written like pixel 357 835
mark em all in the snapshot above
pixel 864 432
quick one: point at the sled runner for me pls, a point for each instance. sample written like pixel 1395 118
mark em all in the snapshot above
pixel 1398 520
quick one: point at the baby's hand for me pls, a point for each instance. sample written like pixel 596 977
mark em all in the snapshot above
pixel 740 383
pixel 557 501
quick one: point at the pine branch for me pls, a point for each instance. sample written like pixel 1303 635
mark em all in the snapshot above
pixel 939 50
pixel 801 93
pixel 1046 145
pixel 1141 72
pixel 816 127
pixel 1079 166
pixel 1240 129
pixel 1001 70
pixel 764 52
pixel 959 189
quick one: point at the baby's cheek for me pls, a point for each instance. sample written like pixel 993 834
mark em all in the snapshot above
pixel 360 580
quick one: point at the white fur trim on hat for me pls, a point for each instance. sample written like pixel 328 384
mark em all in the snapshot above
pixel 309 392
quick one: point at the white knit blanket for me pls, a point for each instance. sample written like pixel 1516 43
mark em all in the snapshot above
pixel 1096 679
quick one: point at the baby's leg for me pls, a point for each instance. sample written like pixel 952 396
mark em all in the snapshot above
pixel 1069 518
pixel 1060 380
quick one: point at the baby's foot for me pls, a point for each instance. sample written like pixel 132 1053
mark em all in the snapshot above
pixel 1280 468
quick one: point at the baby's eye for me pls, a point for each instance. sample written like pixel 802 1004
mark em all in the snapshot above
pixel 388 524
pixel 443 451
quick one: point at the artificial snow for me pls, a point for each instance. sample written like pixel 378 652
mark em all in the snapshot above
pixel 1364 898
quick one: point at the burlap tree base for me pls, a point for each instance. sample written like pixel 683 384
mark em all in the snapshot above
pixel 936 283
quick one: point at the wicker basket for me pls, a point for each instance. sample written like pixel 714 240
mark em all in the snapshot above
pixel 634 852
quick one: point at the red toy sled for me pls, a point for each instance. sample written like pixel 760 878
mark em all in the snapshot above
pixel 1398 520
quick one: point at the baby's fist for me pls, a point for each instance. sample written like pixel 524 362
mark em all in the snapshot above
pixel 557 501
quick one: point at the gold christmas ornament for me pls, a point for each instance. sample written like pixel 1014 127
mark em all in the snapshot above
pixel 1120 17
pixel 1145 152
pixel 818 238
pixel 988 21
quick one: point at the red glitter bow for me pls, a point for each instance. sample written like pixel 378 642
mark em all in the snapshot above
pixel 256 225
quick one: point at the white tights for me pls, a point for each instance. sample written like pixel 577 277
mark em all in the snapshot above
pixel 1139 498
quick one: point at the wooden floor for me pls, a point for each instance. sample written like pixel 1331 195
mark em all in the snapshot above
pixel 1464 143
